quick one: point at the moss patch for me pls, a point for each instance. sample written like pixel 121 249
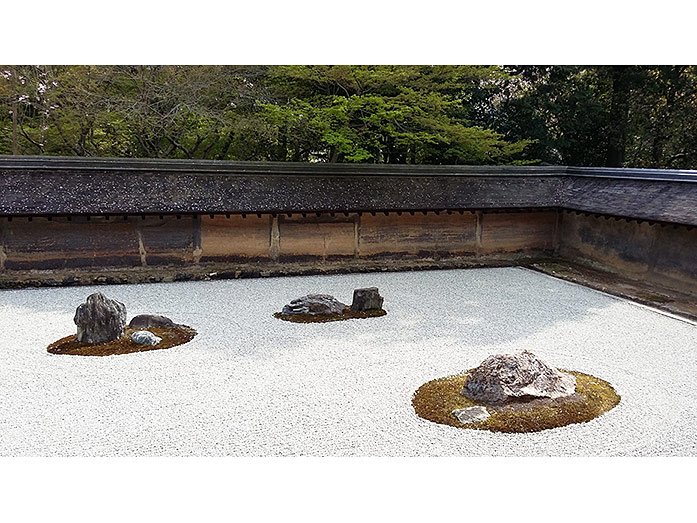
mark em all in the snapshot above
pixel 436 400
pixel 171 337
pixel 348 314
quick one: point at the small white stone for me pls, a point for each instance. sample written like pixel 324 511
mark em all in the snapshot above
pixel 471 414
pixel 145 338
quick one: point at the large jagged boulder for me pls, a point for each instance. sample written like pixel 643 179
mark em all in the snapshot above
pixel 367 299
pixel 100 319
pixel 508 377
pixel 315 304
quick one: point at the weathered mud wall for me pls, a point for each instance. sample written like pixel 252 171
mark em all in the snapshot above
pixel 67 213
pixel 130 241
pixel 665 254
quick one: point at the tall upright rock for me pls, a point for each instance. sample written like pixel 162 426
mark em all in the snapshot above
pixel 100 319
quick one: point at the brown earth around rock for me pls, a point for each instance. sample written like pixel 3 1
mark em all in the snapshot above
pixel 348 314
pixel 171 337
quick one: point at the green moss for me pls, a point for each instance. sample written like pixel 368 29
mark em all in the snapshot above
pixel 436 400
pixel 348 314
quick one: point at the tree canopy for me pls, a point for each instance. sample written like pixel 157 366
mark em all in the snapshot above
pixel 574 115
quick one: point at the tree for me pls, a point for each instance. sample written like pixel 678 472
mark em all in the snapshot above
pixel 644 116
pixel 381 114
pixel 663 119
pixel 562 109
pixel 146 111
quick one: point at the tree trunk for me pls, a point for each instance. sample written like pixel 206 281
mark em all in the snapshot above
pixel 333 154
pixel 619 116
pixel 15 149
pixel 661 127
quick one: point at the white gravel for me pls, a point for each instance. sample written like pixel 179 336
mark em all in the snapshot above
pixel 249 384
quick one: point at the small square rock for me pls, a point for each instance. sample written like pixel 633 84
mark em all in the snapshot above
pixel 367 299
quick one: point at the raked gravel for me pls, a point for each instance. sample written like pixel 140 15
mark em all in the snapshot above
pixel 252 385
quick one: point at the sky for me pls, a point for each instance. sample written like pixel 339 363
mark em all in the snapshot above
pixel 360 31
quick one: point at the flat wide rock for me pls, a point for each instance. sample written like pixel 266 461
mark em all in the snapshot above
pixel 145 321
pixel 100 319
pixel 315 304
pixel 509 377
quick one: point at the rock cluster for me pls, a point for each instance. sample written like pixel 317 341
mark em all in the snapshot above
pixel 315 304
pixel 367 299
pixel 507 377
pixel 100 319
pixel 364 300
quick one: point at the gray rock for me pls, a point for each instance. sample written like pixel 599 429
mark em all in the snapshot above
pixel 367 299
pixel 145 338
pixel 145 321
pixel 314 304
pixel 100 319
pixel 506 377
pixel 471 414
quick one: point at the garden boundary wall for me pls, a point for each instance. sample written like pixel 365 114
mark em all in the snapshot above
pixel 70 214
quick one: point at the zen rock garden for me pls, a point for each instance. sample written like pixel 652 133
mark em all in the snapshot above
pixel 505 393
pixel 514 393
pixel 433 377
pixel 102 330
pixel 319 308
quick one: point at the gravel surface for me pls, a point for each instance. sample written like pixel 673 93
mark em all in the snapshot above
pixel 250 384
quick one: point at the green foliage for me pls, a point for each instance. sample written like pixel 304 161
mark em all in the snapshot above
pixel 663 122
pixel 383 114
pixel 141 111
pixel 386 114
pixel 642 116
pixel 560 108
